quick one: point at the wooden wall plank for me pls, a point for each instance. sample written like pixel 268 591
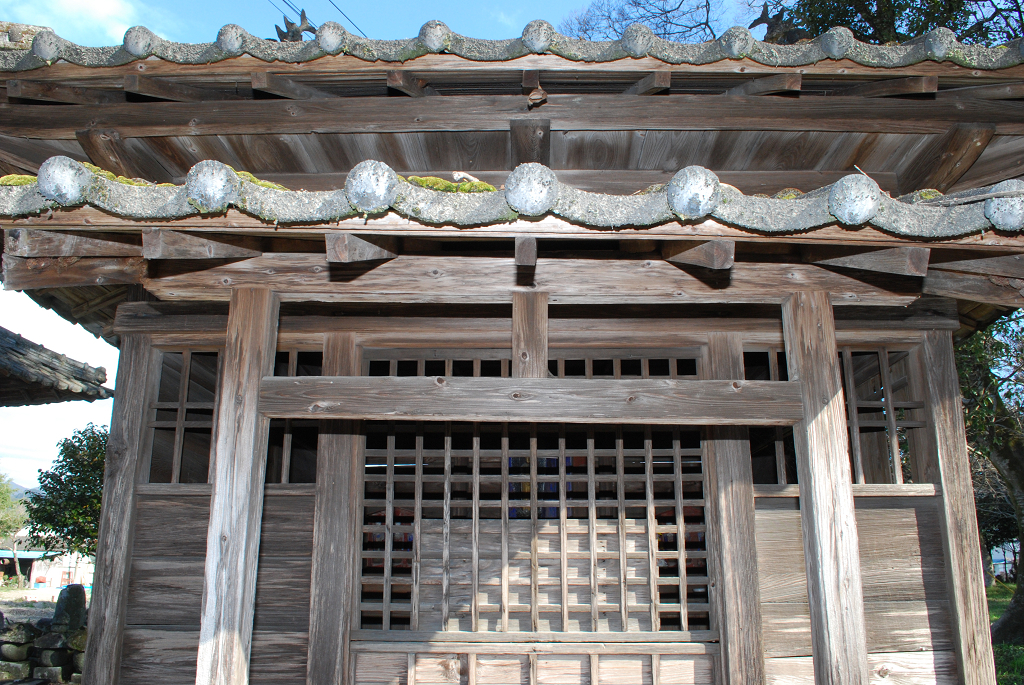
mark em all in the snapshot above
pixel 531 141
pixel 729 491
pixel 117 515
pixel 35 243
pixel 959 522
pixel 236 505
pixel 333 609
pixel 529 334
pixel 826 497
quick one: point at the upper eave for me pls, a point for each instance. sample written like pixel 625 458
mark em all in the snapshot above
pixel 538 38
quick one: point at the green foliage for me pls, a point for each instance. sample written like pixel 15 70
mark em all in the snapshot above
pixel 65 513
pixel 1009 664
pixel 12 513
pixel 435 183
pixel 999 596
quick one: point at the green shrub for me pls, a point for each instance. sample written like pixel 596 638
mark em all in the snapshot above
pixel 1009 664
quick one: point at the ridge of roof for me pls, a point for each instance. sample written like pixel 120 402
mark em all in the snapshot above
pixel 32 363
pixel 372 187
pixel 539 37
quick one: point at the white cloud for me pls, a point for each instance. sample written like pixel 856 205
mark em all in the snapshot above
pixel 87 22
pixel 29 435
pixel 511 22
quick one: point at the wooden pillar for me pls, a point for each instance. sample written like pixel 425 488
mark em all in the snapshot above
pixel 971 633
pixel 729 493
pixel 831 549
pixel 529 334
pixel 117 516
pixel 236 505
pixel 337 535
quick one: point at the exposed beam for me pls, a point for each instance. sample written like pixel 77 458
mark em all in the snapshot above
pixel 109 150
pixel 28 154
pixel 286 87
pixel 531 141
pixel 346 248
pixel 988 289
pixel 1011 266
pixel 238 469
pixel 767 85
pixel 997 91
pixel 903 261
pixel 162 243
pixel 410 85
pixel 105 300
pixel 941 164
pixel 492 113
pixel 526 250
pixel 19 242
pixel 546 400
pixel 66 272
pixel 655 82
pixel 712 254
pixel 529 334
pixel 828 519
pixel 911 85
pixel 55 92
pixel 170 90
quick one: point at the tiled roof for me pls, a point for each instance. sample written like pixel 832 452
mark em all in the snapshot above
pixel 32 374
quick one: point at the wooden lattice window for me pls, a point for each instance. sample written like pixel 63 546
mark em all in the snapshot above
pixel 182 416
pixel 292 446
pixel 523 527
pixel 772 451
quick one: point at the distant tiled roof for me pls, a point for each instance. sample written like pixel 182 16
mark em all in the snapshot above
pixel 32 374
pixel 539 37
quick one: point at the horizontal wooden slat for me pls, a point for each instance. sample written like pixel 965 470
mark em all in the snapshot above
pixel 907 668
pixel 539 637
pixel 152 655
pixel 168 526
pixel 579 400
pixel 610 645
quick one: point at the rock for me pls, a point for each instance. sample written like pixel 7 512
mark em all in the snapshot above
pixel 20 634
pixel 230 39
pixel 693 192
pixel 736 42
pixel 14 652
pixel 54 657
pixel 47 45
pixel 531 189
pixel 138 41
pixel 836 42
pixel 537 36
pixel 43 624
pixel 1006 213
pixel 939 43
pixel 77 639
pixel 14 671
pixel 211 186
pixel 434 35
pixel 371 186
pixel 332 37
pixel 50 641
pixel 75 678
pixel 69 614
pixel 78 662
pixel 55 674
pixel 637 40
pixel 64 180
pixel 854 199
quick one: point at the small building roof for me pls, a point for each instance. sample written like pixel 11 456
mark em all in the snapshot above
pixel 32 374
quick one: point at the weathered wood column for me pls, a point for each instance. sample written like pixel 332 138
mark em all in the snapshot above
pixel 729 492
pixel 117 516
pixel 337 534
pixel 831 549
pixel 960 525
pixel 529 334
pixel 236 505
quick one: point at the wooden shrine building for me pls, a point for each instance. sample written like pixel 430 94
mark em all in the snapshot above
pixel 671 401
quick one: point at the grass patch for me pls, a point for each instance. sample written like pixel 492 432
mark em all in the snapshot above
pixel 1009 664
pixel 998 599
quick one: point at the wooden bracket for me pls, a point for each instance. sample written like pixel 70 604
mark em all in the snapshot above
pixel 410 85
pixel 531 88
pixel 767 85
pixel 988 289
pixel 54 92
pixel 711 254
pixel 942 163
pixel 20 273
pixel 902 261
pixel 161 243
pixel 285 87
pixel 910 85
pixel 169 90
pixel 655 82
pixel 1011 266
pixel 346 248
pixel 526 250
pixel 529 334
pixel 20 242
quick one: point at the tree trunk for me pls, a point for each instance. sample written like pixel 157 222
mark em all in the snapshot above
pixel 986 564
pixel 17 566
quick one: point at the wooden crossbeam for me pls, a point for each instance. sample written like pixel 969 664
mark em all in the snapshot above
pixel 161 243
pixel 346 248
pixel 57 272
pixel 410 85
pixel 268 82
pixel 170 90
pixel 904 261
pixel 531 141
pixel 997 91
pixel 109 150
pixel 1010 266
pixel 26 155
pixel 55 92
pixel 767 85
pixel 942 163
pixel 20 242
pixel 655 82
pixel 492 113
pixel 546 400
pixel 910 85
pixel 712 254
pixel 977 288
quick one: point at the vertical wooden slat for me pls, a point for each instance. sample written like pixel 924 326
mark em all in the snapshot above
pixel 471 677
pixel 476 524
pixel 286 449
pixel 655 669
pixel 446 530
pixel 890 416
pixel 410 673
pixel 652 532
pixel 117 513
pixel 853 416
pixel 959 521
pixel 529 334
pixel 826 496
pixel 534 541
pixel 337 529
pixel 389 523
pixel 729 494
pixel 925 465
pixel 592 524
pixel 595 670
pixel 179 428
pixel 563 533
pixel 504 527
pixel 677 469
pixel 236 504
pixel 620 487
pixel 780 446
pixel 417 525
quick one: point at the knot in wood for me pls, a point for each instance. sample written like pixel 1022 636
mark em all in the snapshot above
pixel 631 399
pixel 524 355
pixel 439 380
pixel 735 385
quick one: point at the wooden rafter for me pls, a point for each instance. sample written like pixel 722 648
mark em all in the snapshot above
pixel 942 163
pixel 767 85
pixel 165 89
pixel 910 85
pixel 55 92
pixel 286 87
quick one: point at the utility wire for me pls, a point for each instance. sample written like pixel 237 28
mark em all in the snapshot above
pixel 298 12
pixel 347 17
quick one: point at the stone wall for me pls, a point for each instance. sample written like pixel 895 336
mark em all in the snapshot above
pixel 47 650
